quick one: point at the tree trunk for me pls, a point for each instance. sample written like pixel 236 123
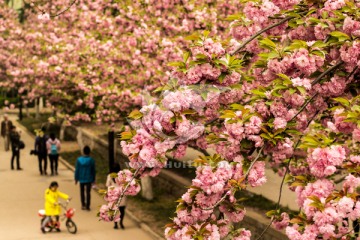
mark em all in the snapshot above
pixel 37 109
pixel 62 131
pixel 146 188
pixel 20 109
pixel 111 138
pixel 27 111
pixel 41 103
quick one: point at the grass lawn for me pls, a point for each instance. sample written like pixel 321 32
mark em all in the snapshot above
pixel 32 124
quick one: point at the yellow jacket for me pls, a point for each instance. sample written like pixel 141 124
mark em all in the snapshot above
pixel 52 207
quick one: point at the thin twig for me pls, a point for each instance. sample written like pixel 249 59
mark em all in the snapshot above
pixel 259 33
pixel 216 204
pixel 52 15
pixel 253 162
pixel 123 192
pixel 315 82
pixel 282 182
pixel 326 72
pixel 58 14
pixel 203 151
pixel 247 173
pixel 303 106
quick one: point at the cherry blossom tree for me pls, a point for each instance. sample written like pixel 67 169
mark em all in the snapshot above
pixel 283 91
pixel 92 62
pixel 11 44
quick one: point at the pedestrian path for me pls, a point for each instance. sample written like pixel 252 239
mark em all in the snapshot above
pixel 21 196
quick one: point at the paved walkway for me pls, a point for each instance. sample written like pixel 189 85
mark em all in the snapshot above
pixel 22 196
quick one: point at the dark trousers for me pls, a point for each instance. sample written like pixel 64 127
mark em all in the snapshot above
pixel 356 227
pixel 42 158
pixel 15 154
pixel 85 189
pixel 122 215
pixel 54 159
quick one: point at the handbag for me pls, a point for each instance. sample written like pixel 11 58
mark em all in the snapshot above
pixel 21 144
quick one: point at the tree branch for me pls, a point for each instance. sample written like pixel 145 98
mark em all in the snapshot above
pixel 203 151
pixel 282 182
pixel 326 72
pixel 247 173
pixel 259 33
pixel 303 106
pixel 123 192
pixel 58 14
pixel 253 162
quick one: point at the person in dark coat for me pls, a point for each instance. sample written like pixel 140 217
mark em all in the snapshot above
pixel 6 125
pixel 15 147
pixel 41 150
pixel 85 174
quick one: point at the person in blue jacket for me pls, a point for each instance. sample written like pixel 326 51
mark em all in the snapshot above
pixel 85 174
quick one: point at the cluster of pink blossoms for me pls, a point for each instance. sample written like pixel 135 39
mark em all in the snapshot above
pixel 124 180
pixel 209 186
pixel 323 161
pixel 213 182
pixel 329 216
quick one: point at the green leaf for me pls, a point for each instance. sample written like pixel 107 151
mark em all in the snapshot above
pixel 233 17
pixel 135 114
pixel 201 56
pixel 176 64
pixel 186 56
pixel 301 89
pixel 343 101
pixel 206 33
pixel 268 44
pixel 340 36
pixel 126 136
pixel 318 53
pixel 319 44
pixel 271 213
pixel 258 92
pixel 193 37
pixel 228 114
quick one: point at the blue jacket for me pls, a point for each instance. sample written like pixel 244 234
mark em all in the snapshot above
pixel 85 169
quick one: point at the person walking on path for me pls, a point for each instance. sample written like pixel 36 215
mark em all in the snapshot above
pixel 6 125
pixel 85 174
pixel 52 207
pixel 110 183
pixel 41 150
pixel 15 148
pixel 53 146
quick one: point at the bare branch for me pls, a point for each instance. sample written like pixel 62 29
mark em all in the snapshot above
pixel 58 14
pixel 259 33
pixel 304 106
pixel 326 72
pixel 203 151
pixel 123 192
pixel 247 173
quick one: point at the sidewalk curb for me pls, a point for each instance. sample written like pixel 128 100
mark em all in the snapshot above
pixel 137 221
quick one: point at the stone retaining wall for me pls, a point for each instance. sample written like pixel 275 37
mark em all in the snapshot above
pixel 173 184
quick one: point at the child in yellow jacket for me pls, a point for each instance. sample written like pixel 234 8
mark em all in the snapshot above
pixel 52 207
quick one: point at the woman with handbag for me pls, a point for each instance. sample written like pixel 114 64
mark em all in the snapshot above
pixel 16 145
